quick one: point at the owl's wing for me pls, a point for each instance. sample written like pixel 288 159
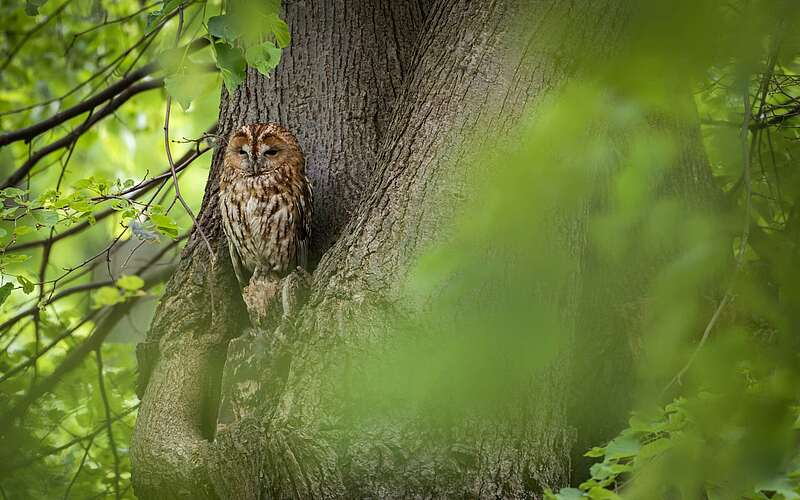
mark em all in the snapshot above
pixel 304 234
pixel 302 253
pixel 238 267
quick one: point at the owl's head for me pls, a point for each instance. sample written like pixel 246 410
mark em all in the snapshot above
pixel 261 149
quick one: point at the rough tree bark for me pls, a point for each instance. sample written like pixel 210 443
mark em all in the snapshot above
pixel 387 99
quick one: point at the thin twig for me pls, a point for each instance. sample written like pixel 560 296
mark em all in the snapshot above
pixel 110 66
pixel 76 356
pixel 80 467
pixel 69 444
pixel 107 408
pixel 87 104
pixel 107 23
pixel 167 148
pixel 135 192
pixel 728 296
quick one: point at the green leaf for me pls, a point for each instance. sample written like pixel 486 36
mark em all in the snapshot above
pixel 602 494
pixel 281 31
pixel 27 285
pixel 5 291
pixel 780 485
pixel 130 283
pixel 232 65
pixel 601 471
pixel 182 88
pixel 155 17
pixel 569 494
pixel 623 447
pixel 21 230
pixel 263 57
pixel 165 225
pixel 32 6
pixel 107 296
pixel 224 27
pixel 14 258
pixel 12 192
pixel 82 184
pixel 654 448
pixel 595 452
pixel 163 221
pixel 47 218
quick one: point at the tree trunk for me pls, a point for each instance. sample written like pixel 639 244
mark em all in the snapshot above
pixel 390 101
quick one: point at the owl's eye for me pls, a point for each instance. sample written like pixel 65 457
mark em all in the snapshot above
pixel 271 152
pixel 242 152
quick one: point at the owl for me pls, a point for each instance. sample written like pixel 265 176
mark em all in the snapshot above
pixel 265 199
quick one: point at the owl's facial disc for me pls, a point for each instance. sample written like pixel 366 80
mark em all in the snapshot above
pixel 268 155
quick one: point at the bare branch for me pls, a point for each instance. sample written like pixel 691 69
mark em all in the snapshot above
pixel 80 467
pixel 65 141
pixel 108 23
pixel 175 182
pixel 88 287
pixel 88 104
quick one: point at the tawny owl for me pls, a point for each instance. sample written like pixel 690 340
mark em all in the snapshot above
pixel 265 199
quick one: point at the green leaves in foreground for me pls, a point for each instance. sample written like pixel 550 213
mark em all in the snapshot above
pixel 252 35
pixel 675 440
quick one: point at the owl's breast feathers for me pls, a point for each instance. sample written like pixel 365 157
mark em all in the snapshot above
pixel 267 222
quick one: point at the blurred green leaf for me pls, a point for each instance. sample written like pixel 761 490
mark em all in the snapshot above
pixel 232 65
pixel 32 6
pixel 5 291
pixel 263 57
pixel 130 283
pixel 47 218
pixel 27 285
pixel 107 296
pixel 224 27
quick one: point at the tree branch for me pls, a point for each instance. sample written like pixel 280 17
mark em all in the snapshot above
pixel 65 141
pixel 182 163
pixel 77 355
pixel 88 104
pixel 68 444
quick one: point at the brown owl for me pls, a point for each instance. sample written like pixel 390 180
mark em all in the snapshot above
pixel 265 198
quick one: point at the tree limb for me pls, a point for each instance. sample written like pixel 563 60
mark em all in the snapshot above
pixel 76 133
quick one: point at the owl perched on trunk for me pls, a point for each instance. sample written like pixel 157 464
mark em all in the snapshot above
pixel 265 199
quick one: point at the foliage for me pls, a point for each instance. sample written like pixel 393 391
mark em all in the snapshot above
pixel 666 443
pixel 90 227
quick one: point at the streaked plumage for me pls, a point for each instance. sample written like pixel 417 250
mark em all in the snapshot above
pixel 265 198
